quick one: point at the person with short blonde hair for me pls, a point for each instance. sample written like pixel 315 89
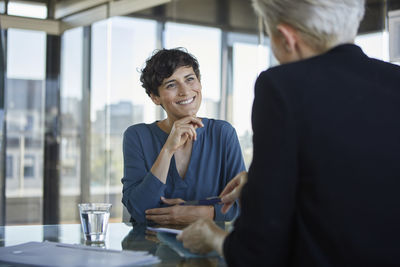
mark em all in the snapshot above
pixel 323 24
pixel 322 189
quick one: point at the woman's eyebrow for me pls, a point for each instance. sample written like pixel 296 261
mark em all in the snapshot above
pixel 191 74
pixel 173 80
pixel 169 81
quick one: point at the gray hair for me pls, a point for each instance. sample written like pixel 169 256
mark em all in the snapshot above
pixel 322 23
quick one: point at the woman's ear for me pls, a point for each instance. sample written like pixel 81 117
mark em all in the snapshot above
pixel 155 99
pixel 289 37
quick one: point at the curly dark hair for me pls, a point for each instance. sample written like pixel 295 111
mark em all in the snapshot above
pixel 162 64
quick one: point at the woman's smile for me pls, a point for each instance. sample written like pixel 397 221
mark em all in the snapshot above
pixel 187 101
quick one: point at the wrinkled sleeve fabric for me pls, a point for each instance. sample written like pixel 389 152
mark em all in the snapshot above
pixel 141 189
pixel 263 230
pixel 233 164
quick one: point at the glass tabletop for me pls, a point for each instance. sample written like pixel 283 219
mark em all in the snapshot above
pixel 120 236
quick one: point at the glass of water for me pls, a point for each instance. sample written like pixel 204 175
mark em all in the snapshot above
pixel 94 220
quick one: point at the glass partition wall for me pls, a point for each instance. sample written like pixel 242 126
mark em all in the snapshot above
pixel 119 48
pixel 25 125
pixel 71 123
pixel 248 58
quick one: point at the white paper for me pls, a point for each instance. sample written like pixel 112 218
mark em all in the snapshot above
pixel 66 255
pixel 164 230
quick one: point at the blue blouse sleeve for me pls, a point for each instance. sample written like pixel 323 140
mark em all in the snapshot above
pixel 141 189
pixel 234 164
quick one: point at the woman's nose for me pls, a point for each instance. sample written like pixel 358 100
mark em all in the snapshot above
pixel 183 89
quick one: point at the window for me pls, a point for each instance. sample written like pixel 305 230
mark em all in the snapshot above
pixel 2 6
pixel 27 9
pixel 29 167
pixel 25 116
pixel 120 46
pixel 9 167
pixel 248 60
pixel 375 45
pixel 71 117
pixel 205 44
pixel 29 123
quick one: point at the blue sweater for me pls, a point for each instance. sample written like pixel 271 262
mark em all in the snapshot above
pixel 216 158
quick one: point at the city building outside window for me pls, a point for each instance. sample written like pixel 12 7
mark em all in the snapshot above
pixel 25 125
pixel 120 46
pixel 205 44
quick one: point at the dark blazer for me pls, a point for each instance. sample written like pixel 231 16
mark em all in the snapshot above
pixel 324 184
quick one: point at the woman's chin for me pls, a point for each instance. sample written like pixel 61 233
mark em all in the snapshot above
pixel 191 113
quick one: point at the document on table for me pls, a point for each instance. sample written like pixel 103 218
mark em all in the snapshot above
pixel 164 230
pixel 60 255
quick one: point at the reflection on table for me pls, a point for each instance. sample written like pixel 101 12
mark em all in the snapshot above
pixel 120 236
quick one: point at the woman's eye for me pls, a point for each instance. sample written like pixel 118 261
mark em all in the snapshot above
pixel 170 85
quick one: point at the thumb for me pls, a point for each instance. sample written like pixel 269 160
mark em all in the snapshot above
pixel 230 197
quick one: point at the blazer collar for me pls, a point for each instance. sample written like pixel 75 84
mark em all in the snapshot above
pixel 347 48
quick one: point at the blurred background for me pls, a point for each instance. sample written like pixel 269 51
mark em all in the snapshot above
pixel 69 87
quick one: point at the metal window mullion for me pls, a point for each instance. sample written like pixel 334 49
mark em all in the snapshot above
pixel 160 44
pixel 3 74
pixel 226 79
pixel 52 133
pixel 224 76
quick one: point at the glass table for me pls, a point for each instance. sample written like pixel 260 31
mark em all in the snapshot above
pixel 120 236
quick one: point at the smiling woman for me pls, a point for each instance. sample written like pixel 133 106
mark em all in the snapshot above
pixel 182 157
pixel 179 95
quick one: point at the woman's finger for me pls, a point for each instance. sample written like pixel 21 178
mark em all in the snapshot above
pixel 194 133
pixel 189 120
pixel 160 219
pixel 158 211
pixel 195 121
pixel 185 129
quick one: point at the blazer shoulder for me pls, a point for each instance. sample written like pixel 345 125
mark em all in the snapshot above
pixel 387 66
pixel 285 72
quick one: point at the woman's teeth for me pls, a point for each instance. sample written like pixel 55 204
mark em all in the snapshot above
pixel 186 101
